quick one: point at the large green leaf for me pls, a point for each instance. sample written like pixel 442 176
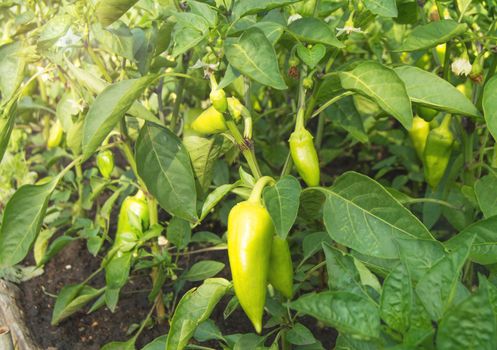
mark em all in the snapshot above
pixel 420 255
pixel 383 86
pixel 344 311
pixel 361 214
pixel 243 8
pixel 437 288
pixel 7 120
pixel 471 325
pixel 253 55
pixel 194 307
pixel 282 202
pixel 108 109
pixel 385 8
pixel 12 64
pixel 430 90
pixel 484 248
pixel 485 195
pixel 489 104
pixel 22 219
pixel 396 299
pixel 431 34
pixel 164 165
pixel 314 30
pixel 71 299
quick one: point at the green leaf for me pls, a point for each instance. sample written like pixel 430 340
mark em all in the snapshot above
pixel 203 151
pixel 396 299
pixel 437 288
pixel 109 11
pixel 272 30
pixel 164 165
pixel 206 331
pixel 195 306
pixel 282 203
pixel 108 109
pixel 489 104
pixel 471 325
pixel 484 248
pixel 117 270
pixel 361 214
pixel 344 114
pixel 342 272
pixel 22 219
pixel 312 243
pixel 312 56
pixel 120 345
pixel 314 31
pixel 420 255
pixel 243 8
pixel 385 8
pixel 116 40
pixel 383 86
pixel 71 299
pixel 53 30
pixel 215 197
pixel 179 232
pixel 12 65
pixel 432 34
pixel 185 38
pixel 253 55
pixel 431 91
pixel 203 270
pixel 484 191
pixel 347 312
pixel 156 344
pixel 300 335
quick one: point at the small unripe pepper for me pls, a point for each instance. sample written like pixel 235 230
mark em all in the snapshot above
pixel 426 113
pixel 235 107
pixel 218 100
pixel 304 153
pixel 418 135
pixel 280 267
pixel 250 236
pixel 209 121
pixel 188 117
pixel 437 152
pixel 55 135
pixel 132 205
pixel 105 163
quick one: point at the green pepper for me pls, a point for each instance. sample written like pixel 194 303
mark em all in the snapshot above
pixel 188 118
pixel 55 135
pixel 209 121
pixel 132 208
pixel 105 163
pixel 418 134
pixel 236 108
pixel 218 100
pixel 304 153
pixel 109 11
pixel 280 267
pixel 426 113
pixel 437 152
pixel 250 236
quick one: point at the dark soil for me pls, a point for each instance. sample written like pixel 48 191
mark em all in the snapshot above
pixel 90 331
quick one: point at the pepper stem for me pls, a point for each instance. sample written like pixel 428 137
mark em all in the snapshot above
pixel 299 123
pixel 255 196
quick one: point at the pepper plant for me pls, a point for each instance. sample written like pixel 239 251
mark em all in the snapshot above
pixel 341 155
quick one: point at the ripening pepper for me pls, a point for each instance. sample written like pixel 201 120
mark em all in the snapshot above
pixel 55 135
pixel 426 113
pixel 280 267
pixel 218 100
pixel 188 118
pixel 105 163
pixel 304 153
pixel 250 236
pixel 418 135
pixel 441 49
pixel 138 207
pixel 109 11
pixel 209 121
pixel 236 108
pixel 437 152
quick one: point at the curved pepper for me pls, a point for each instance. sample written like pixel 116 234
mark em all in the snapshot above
pixel 55 135
pixel 132 205
pixel 105 163
pixel 418 134
pixel 250 236
pixel 209 121
pixel 437 152
pixel 280 267
pixel 304 153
